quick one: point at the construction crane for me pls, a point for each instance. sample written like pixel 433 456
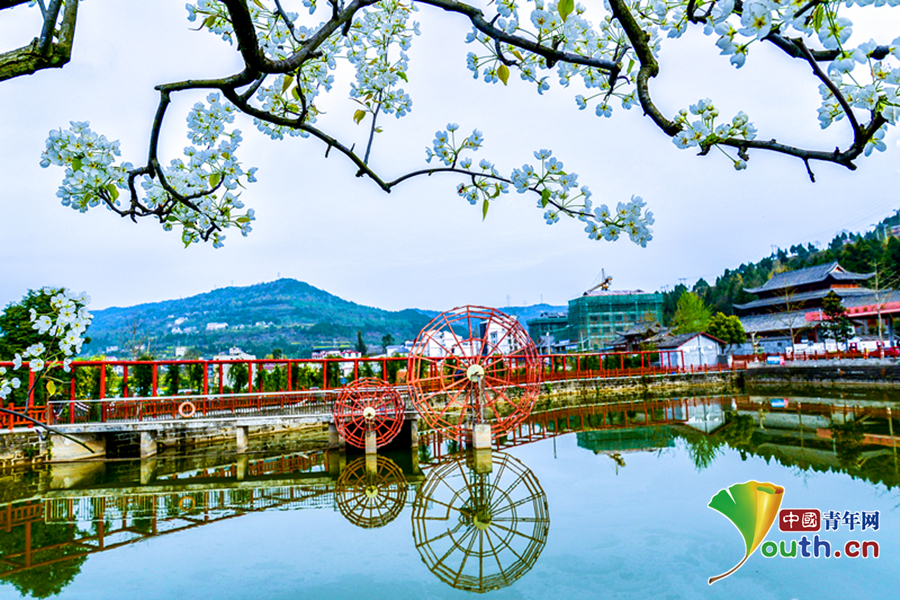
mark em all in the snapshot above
pixel 603 285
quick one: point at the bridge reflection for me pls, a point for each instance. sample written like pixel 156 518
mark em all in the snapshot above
pixel 477 524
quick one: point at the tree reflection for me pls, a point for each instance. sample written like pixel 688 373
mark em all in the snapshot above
pixel 38 558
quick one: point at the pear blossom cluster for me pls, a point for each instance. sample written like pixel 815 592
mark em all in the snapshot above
pixel 736 27
pixel 92 175
pixel 704 132
pixel 209 170
pixel 369 44
pixel 559 190
pixel 374 43
pixel 867 83
pixel 564 27
pixel 66 324
pixel 560 193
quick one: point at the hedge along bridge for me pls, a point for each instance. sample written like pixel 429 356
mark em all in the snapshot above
pixel 115 396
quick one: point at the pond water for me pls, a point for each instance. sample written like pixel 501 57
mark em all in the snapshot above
pixel 603 503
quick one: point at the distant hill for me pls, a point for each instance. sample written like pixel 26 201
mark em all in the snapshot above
pixel 287 314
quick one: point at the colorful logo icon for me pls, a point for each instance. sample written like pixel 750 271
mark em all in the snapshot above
pixel 752 507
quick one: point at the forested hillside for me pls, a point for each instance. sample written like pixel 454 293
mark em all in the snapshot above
pixel 287 314
pixel 862 253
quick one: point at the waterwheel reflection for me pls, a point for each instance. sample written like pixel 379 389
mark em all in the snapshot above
pixel 480 524
pixel 371 491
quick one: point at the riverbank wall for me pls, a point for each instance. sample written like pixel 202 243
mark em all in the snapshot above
pixel 824 375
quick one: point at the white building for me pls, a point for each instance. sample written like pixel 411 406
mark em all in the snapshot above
pixel 688 350
pixel 216 326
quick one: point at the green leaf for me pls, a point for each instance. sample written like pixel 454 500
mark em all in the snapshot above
pixel 565 8
pixel 503 74
pixel 484 209
pixel 288 80
pixel 296 92
pixel 51 388
pixel 244 219
pixel 818 17
pixel 403 76
pixel 214 179
pixel 359 115
pixel 113 191
pixel 545 197
pixel 630 65
pixel 209 21
pixel 259 4
pixel 76 164
pixel 517 54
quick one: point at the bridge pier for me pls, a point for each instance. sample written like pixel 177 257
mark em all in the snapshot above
pixel 242 436
pixel 65 449
pixel 414 433
pixel 149 467
pixel 334 438
pixel 481 448
pixel 149 446
pixel 371 443
pixel 337 460
pixel 243 462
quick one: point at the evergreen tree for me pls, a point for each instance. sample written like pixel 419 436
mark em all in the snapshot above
pixel 836 326
pixel 691 315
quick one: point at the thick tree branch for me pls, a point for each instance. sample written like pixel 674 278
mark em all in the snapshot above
pixel 551 55
pixel 42 52
pixel 640 41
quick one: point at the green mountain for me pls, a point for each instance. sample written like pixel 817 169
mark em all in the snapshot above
pixel 287 314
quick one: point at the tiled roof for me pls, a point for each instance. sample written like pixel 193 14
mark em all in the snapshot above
pixel 844 293
pixel 674 340
pixel 816 274
pixel 776 322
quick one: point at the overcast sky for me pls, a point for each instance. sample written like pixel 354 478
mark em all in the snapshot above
pixel 421 246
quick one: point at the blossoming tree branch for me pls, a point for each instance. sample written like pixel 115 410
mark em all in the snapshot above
pixel 608 54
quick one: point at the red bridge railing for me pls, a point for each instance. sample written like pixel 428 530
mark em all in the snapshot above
pixel 156 389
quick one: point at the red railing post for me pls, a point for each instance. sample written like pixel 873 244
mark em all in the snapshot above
pixel 205 379
pixel 288 366
pixel 125 381
pixel 324 373
pixel 30 388
pixel 249 377
pixel 155 378
pixel 102 381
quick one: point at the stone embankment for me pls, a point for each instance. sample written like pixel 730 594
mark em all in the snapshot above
pixel 818 375
pixel 714 382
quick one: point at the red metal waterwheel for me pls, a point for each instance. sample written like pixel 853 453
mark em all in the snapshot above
pixel 473 364
pixel 368 404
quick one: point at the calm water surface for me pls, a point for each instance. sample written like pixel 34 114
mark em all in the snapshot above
pixel 609 513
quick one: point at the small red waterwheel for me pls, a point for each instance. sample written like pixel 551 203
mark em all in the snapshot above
pixel 473 365
pixel 368 404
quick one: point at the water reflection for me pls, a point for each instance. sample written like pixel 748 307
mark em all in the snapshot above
pixel 480 522
pixel 371 491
